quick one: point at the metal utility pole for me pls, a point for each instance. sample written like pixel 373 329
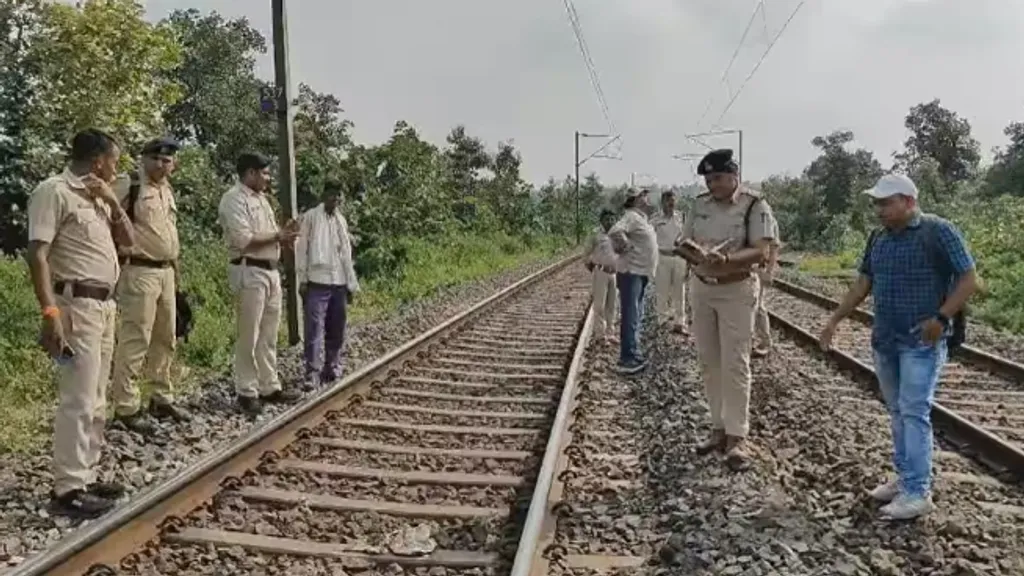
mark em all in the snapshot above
pixel 578 163
pixel 739 150
pixel 287 192
pixel 576 222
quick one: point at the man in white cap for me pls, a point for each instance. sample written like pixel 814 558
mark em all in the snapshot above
pixel 920 274
pixel 634 240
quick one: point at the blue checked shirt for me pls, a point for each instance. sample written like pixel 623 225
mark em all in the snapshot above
pixel 907 285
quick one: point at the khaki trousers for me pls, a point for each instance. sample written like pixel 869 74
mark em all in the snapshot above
pixel 605 301
pixel 723 324
pixel 81 391
pixel 670 289
pixel 146 306
pixel 258 317
pixel 762 326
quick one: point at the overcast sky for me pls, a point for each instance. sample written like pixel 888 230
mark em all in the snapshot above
pixel 512 70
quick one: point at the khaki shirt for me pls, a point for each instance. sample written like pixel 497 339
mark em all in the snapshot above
pixel 599 249
pixel 78 230
pixel 667 229
pixel 244 214
pixel 156 219
pixel 641 255
pixel 711 222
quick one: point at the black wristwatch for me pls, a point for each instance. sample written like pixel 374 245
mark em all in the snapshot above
pixel 942 318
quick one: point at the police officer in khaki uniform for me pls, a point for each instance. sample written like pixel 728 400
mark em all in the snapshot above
pixel 146 291
pixel 725 237
pixel 74 221
pixel 670 281
pixel 254 247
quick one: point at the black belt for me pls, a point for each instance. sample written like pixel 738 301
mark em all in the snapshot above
pixel 255 263
pixel 83 290
pixel 727 279
pixel 145 262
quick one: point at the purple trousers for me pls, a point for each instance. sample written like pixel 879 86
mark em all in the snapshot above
pixel 326 310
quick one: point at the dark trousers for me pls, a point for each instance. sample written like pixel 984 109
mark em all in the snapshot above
pixel 631 310
pixel 326 311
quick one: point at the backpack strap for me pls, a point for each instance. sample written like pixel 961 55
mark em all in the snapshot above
pixel 746 221
pixel 870 244
pixel 134 187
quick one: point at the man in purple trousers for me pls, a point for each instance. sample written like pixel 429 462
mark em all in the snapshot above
pixel 327 281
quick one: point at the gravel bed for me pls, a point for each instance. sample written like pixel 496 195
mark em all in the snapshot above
pixel 383 394
pixel 26 526
pixel 332 429
pixel 802 507
pixel 388 491
pixel 209 561
pixel 979 334
pixel 368 530
pixel 368 459
pixel 370 413
pixel 495 389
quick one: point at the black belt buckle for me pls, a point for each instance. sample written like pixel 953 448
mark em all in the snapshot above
pixel 254 262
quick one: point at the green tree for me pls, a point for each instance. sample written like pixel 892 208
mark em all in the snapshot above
pixel 942 135
pixel 1006 175
pixel 19 25
pixel 839 175
pixel 220 108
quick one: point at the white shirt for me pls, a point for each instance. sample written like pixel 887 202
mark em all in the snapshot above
pixel 600 250
pixel 667 229
pixel 323 251
pixel 641 255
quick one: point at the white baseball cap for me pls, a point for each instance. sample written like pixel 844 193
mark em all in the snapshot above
pixel 891 185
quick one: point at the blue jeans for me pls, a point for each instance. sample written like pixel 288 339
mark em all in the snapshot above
pixel 908 376
pixel 631 305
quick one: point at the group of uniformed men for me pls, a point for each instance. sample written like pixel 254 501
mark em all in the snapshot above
pixel 724 252
pixel 104 260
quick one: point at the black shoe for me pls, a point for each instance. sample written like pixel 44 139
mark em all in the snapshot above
pixel 106 490
pixel 250 405
pixel 136 422
pixel 82 504
pixel 166 411
pixel 282 397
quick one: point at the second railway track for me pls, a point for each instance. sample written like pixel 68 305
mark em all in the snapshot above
pixel 425 460
pixel 979 401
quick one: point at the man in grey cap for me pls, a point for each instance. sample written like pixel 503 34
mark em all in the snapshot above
pixel 146 291
pixel 726 235
pixel 633 238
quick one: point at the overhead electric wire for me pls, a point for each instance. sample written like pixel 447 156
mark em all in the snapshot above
pixel 725 75
pixel 588 61
pixel 758 65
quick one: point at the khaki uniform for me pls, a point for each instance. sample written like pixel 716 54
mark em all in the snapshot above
pixel 762 326
pixel 145 297
pixel 670 279
pixel 723 298
pixel 604 294
pixel 83 261
pixel 256 283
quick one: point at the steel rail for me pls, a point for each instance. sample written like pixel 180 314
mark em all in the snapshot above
pixel 990 449
pixel 127 528
pixel 1002 366
pixel 540 510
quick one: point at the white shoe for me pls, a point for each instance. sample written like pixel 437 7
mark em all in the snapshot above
pixel 886 492
pixel 908 507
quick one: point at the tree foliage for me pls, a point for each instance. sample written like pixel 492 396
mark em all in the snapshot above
pixel 941 135
pixel 193 74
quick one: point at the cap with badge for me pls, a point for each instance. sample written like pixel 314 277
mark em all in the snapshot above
pixel 165 146
pixel 636 192
pixel 893 185
pixel 718 161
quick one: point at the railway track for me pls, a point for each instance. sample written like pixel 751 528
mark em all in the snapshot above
pixel 979 401
pixel 433 459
